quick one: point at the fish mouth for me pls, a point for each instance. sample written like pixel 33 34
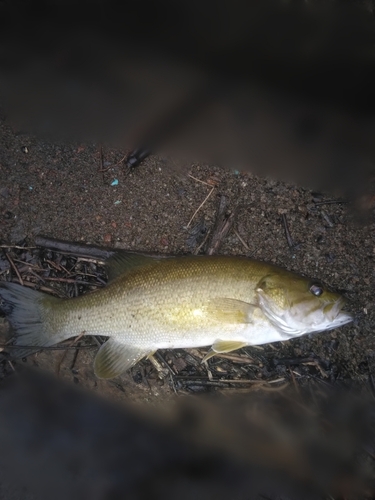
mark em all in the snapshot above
pixel 342 318
pixel 336 315
pixel 311 320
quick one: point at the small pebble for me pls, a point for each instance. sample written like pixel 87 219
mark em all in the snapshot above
pixel 107 238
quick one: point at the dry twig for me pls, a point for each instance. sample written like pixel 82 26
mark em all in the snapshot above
pixel 74 341
pixel 17 247
pixel 90 251
pixel 200 206
pixel 14 267
pixel 289 238
pixel 223 225
pixel 241 239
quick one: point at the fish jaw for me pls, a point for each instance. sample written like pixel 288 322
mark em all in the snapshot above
pixel 305 317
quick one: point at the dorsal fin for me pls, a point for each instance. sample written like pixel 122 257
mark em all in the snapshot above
pixel 123 262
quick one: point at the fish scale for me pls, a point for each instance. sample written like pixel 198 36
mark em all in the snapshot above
pixel 160 302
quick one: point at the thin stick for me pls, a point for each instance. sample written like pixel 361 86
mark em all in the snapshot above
pixel 70 280
pixel 224 224
pixel 121 161
pixel 241 240
pixel 200 206
pixel 80 249
pixel 260 348
pixel 157 354
pixel 13 266
pixel 36 275
pixel 87 251
pixel 162 372
pixel 260 382
pixel 235 359
pixel 87 259
pixel 58 267
pixel 41 288
pixel 223 230
pixel 266 387
pixel 269 345
pixel 289 238
pixel 197 250
pixel 35 266
pixel 75 356
pixel 331 202
pixel 327 218
pixel 294 380
pixel 198 180
pixel 11 365
pixel 17 247
pixel 318 366
pixel 74 341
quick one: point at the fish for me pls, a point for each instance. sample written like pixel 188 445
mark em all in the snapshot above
pixel 226 302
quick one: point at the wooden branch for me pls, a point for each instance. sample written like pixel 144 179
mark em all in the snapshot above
pixel 223 225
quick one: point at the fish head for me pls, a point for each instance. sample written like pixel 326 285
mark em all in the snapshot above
pixel 296 305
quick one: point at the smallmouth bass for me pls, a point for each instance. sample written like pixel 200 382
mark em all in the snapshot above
pixel 175 302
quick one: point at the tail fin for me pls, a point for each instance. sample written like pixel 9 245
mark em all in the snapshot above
pixel 27 312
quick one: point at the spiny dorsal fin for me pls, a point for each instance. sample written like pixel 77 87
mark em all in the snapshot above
pixel 124 262
pixel 114 358
pixel 230 310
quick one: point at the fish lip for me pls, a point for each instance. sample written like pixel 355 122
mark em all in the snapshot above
pixel 343 317
pixel 336 316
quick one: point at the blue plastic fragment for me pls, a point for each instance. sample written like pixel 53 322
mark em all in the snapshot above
pixel 114 182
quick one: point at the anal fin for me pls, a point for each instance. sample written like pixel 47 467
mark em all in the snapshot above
pixel 113 358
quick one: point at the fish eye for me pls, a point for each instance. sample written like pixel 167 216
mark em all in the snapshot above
pixel 316 290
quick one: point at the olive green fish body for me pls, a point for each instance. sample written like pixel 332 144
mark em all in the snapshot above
pixel 179 302
pixel 172 296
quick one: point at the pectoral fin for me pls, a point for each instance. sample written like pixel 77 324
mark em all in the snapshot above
pixel 223 346
pixel 230 310
pixel 114 358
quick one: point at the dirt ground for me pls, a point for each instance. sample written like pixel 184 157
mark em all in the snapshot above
pixel 83 192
